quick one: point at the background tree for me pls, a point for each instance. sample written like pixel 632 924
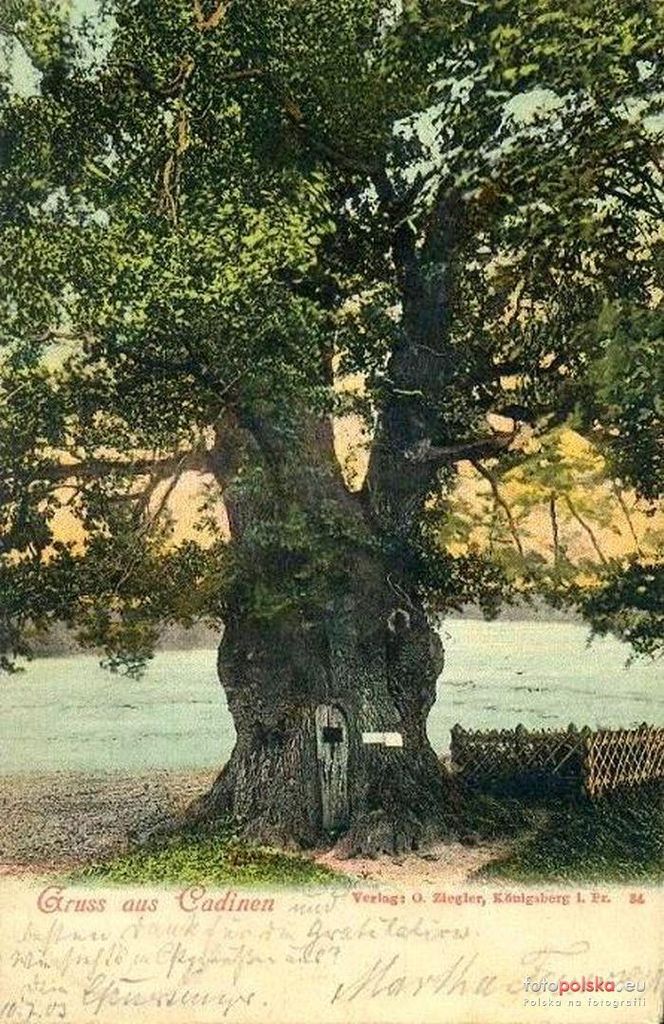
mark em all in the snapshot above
pixel 211 213
pixel 562 529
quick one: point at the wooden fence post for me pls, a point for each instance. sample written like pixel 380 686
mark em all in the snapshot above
pixel 587 781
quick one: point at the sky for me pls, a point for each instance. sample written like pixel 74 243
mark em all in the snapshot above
pixel 25 78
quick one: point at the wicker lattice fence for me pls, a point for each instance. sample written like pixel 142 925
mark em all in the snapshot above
pixel 577 760
pixel 622 757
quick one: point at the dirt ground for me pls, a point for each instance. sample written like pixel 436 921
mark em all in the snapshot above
pixel 50 822
pixel 65 818
pixel 449 864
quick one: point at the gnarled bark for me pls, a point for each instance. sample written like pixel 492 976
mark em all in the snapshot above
pixel 375 661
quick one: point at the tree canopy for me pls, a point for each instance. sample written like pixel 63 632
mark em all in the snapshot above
pixel 212 212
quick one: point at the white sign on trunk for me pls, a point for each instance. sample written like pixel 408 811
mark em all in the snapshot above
pixel 386 739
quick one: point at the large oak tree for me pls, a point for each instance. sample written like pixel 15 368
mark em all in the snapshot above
pixel 212 212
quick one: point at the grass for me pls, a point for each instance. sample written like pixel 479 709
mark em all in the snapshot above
pixel 207 857
pixel 616 839
pixel 485 816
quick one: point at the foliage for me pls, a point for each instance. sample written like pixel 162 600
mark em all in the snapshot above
pixel 196 856
pixel 493 817
pixel 629 379
pixel 617 839
pixel 631 602
pixel 206 213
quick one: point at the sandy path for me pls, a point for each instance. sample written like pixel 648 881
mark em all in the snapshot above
pixel 449 864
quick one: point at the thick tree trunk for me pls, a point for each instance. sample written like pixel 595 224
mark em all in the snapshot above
pixel 309 698
pixel 330 699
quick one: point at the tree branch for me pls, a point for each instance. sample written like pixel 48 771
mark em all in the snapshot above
pixel 636 202
pixel 585 526
pixel 481 448
pixel 501 502
pixel 90 469
pixel 555 529
pixel 145 77
pixel 628 517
